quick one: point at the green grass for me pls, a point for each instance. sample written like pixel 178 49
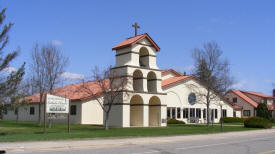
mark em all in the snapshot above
pixel 11 131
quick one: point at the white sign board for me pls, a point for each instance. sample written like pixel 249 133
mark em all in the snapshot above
pixel 56 104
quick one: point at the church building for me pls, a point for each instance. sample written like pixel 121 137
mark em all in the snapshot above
pixel 153 96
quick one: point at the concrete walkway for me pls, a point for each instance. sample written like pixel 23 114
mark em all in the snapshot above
pixel 114 142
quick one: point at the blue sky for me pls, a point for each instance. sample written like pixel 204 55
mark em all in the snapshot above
pixel 86 31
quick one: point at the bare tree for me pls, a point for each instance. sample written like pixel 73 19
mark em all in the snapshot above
pixel 18 98
pixel 48 63
pixel 108 88
pixel 211 69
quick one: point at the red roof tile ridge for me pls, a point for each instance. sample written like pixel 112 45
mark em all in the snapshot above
pixel 164 72
pixel 132 40
pixel 257 94
pixel 245 98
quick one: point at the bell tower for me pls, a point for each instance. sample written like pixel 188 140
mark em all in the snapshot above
pixel 144 104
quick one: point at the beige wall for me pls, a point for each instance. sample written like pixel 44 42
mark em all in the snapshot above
pixel 177 97
pixel 92 113
pixel 240 102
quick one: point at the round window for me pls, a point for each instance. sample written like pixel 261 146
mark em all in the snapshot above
pixel 192 98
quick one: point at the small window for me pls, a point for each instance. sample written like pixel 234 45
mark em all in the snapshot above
pixel 224 113
pixel 198 113
pixel 73 109
pixel 185 113
pixel 31 110
pixel 192 112
pixel 178 113
pixel 204 113
pixel 216 114
pixel 5 111
pixel 246 113
pixel 235 100
pixel 265 101
pixel 168 112
pixel 234 113
pixel 173 113
pixel 16 111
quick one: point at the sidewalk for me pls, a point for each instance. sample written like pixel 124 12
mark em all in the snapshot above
pixel 101 143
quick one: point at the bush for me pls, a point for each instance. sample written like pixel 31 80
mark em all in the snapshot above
pixel 233 120
pixel 174 121
pixel 262 111
pixel 272 120
pixel 257 122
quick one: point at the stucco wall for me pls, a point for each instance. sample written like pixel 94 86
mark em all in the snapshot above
pixel 177 97
pixel 92 113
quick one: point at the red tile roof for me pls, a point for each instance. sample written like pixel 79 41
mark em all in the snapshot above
pixel 74 92
pixel 245 98
pixel 271 107
pixel 133 40
pixel 236 107
pixel 173 80
pixel 257 94
pixel 164 72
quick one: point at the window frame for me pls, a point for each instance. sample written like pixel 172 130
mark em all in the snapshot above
pixel 192 112
pixel 173 113
pixel 248 111
pixel 204 113
pixel 178 113
pixel 235 100
pixel 185 113
pixel 168 112
pixel 216 114
pixel 224 113
pixel 198 113
pixel 32 110
pixel 73 110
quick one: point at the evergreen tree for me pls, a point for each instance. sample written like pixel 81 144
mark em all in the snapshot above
pixel 8 83
pixel 262 111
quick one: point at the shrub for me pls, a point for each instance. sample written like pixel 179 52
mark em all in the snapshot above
pixel 262 111
pixel 257 122
pixel 174 121
pixel 233 120
pixel 272 120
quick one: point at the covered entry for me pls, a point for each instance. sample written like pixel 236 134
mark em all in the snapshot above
pixel 136 111
pixel 154 111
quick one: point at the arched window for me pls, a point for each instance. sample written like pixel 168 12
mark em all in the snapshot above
pixel 143 57
pixel 152 82
pixel 138 81
pixel 136 111
pixel 192 98
pixel 154 111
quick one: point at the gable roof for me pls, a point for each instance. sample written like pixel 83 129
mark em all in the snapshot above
pixel 164 72
pixel 245 98
pixel 173 80
pixel 257 94
pixel 74 92
pixel 133 40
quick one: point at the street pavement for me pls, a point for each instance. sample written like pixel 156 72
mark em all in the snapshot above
pixel 247 142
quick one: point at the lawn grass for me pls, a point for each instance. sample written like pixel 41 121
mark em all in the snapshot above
pixel 11 131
